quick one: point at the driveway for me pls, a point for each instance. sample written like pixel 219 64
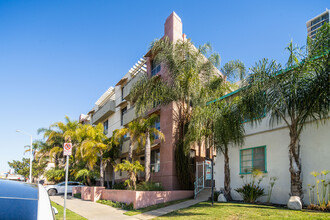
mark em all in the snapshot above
pixel 90 210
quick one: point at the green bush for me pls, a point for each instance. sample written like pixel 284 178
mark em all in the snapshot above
pixel 251 191
pixel 120 205
pixel 55 175
pixel 120 185
pixel 149 186
pixel 77 195
pixel 216 195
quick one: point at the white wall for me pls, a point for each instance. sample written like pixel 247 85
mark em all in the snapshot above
pixel 315 156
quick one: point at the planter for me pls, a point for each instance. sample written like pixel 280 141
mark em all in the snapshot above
pixel 139 199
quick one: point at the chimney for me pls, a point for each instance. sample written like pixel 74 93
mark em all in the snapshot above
pixel 173 27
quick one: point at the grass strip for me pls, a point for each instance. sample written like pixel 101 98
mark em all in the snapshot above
pixel 153 207
pixel 70 215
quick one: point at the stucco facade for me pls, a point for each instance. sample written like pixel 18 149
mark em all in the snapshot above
pixel 315 152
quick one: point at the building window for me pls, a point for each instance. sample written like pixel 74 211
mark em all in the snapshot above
pixel 253 159
pixel 157 126
pixel 155 161
pixel 123 112
pixel 155 67
pixel 105 127
pixel 122 93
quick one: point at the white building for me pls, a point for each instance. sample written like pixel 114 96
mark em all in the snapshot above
pixel 315 23
pixel 266 148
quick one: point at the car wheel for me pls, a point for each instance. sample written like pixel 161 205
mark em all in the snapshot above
pixel 52 192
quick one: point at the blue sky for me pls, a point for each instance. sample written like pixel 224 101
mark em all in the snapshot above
pixel 58 57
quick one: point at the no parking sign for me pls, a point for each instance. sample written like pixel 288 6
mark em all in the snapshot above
pixel 67 149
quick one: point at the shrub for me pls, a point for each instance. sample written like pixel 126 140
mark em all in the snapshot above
pixel 216 195
pixel 149 186
pixel 251 190
pixel 120 185
pixel 270 188
pixel 77 195
pixel 322 190
pixel 55 175
pixel 120 205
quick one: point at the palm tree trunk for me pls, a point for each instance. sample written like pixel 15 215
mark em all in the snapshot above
pixel 130 153
pixel 147 158
pixel 101 171
pixel 227 175
pixel 295 164
pixel 113 176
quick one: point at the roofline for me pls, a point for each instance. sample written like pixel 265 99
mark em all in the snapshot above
pixel 326 11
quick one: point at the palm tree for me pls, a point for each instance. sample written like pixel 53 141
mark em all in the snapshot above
pixel 93 145
pixel 132 170
pixel 228 131
pixel 55 137
pixel 294 95
pixel 151 133
pixel 133 130
pixel 188 72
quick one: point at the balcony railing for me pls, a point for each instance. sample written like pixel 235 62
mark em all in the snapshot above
pixel 104 112
pixel 128 86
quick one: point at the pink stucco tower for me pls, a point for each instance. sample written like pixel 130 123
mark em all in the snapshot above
pixel 173 27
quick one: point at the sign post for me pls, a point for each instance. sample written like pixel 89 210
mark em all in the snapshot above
pixel 67 151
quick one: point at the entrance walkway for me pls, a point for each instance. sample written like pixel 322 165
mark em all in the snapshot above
pixel 91 210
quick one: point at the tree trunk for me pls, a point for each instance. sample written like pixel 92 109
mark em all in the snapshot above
pixel 113 176
pixel 227 175
pixel 295 164
pixel 89 182
pixel 101 171
pixel 130 153
pixel 147 158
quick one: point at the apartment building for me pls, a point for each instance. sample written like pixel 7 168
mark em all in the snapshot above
pixel 114 111
pixel 315 23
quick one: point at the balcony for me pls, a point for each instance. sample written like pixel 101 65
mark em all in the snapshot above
pixel 128 86
pixel 129 116
pixel 104 112
pixel 125 146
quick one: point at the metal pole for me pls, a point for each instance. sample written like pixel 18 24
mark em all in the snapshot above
pixel 212 182
pixel 66 185
pixel 203 173
pixel 30 178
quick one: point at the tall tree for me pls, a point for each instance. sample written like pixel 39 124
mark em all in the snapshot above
pixel 228 131
pixel 93 145
pixel 189 69
pixel 135 133
pixel 55 137
pixel 151 133
pixel 294 95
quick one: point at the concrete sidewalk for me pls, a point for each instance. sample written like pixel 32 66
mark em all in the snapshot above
pixel 91 210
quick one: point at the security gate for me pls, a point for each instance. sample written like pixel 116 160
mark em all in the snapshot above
pixel 203 176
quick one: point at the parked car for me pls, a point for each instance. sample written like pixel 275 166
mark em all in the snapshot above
pixel 60 187
pixel 15 177
pixel 20 200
